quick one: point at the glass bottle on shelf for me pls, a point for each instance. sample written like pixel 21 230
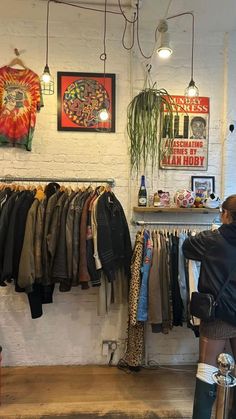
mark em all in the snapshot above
pixel 142 195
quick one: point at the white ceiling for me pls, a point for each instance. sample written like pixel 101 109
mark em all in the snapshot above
pixel 210 15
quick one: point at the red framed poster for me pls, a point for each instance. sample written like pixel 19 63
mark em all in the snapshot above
pixel 81 97
pixel 189 148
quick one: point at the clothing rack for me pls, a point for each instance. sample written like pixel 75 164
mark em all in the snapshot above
pixel 176 223
pixel 10 179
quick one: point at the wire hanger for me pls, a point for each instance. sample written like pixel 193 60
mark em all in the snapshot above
pixel 17 60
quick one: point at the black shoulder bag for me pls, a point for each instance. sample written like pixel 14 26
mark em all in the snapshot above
pixel 203 305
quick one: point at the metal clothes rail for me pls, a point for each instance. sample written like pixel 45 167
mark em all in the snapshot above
pixel 10 179
pixel 174 223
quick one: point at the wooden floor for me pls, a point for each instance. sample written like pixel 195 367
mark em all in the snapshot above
pixel 95 392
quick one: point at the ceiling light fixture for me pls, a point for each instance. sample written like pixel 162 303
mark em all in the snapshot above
pixel 46 80
pixel 164 50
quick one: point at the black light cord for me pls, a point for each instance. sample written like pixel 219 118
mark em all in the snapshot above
pixel 123 36
pixel 138 40
pixel 103 56
pixel 123 14
pixel 47 31
pixel 193 24
pixel 84 7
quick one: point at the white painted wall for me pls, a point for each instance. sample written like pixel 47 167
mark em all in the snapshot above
pixel 70 331
pixel 229 139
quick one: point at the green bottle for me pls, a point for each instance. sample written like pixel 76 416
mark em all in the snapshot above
pixel 142 195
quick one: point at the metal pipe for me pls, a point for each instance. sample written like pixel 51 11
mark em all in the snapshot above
pixel 10 179
pixel 160 223
pixel 225 380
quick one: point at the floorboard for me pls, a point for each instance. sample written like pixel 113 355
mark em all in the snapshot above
pixel 88 392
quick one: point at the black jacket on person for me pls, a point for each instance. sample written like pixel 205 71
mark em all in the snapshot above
pixel 217 252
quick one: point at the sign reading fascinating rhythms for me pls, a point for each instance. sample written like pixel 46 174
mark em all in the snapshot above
pixel 81 98
pixel 189 149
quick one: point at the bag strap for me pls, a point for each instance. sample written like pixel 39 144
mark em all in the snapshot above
pixel 231 276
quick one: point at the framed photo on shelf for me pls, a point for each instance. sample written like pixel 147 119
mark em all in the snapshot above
pixel 81 97
pixel 203 185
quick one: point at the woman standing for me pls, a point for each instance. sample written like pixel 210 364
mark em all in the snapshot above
pixel 217 252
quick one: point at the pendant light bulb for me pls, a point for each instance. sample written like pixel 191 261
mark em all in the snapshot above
pixel 103 114
pixel 47 82
pixel 164 52
pixel 192 89
pixel 46 76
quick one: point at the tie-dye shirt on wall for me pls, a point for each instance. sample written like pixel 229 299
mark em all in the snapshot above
pixel 20 99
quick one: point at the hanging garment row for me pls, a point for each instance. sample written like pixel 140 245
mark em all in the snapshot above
pixel 161 282
pixel 60 235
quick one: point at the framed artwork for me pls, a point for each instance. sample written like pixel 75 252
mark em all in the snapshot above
pixel 81 98
pixel 203 185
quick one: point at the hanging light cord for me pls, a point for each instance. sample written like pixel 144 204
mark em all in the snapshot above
pixel 124 16
pixel 47 30
pixel 192 49
pixel 120 13
pixel 84 7
pixel 127 20
pixel 138 40
pixel 132 39
pixel 103 56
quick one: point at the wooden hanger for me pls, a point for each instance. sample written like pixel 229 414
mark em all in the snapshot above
pixel 17 60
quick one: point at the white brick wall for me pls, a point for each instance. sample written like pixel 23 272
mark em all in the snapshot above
pixel 70 332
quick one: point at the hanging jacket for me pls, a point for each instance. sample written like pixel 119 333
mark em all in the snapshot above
pixel 95 274
pixel 51 203
pixel 7 270
pixel 69 233
pixel 4 224
pixel 79 203
pixel 19 233
pixel 54 231
pixel 142 313
pixel 114 244
pixel 26 276
pixel 217 252
pixel 177 304
pixel 154 286
pixel 84 276
pixel 60 265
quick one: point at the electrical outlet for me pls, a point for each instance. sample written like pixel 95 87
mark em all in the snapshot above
pixel 105 349
pixel 111 344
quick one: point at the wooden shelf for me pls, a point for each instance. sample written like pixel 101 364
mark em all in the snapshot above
pixel 175 209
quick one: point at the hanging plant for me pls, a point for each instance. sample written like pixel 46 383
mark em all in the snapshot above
pixel 146 124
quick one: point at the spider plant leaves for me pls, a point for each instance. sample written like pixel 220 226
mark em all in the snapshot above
pixel 146 123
